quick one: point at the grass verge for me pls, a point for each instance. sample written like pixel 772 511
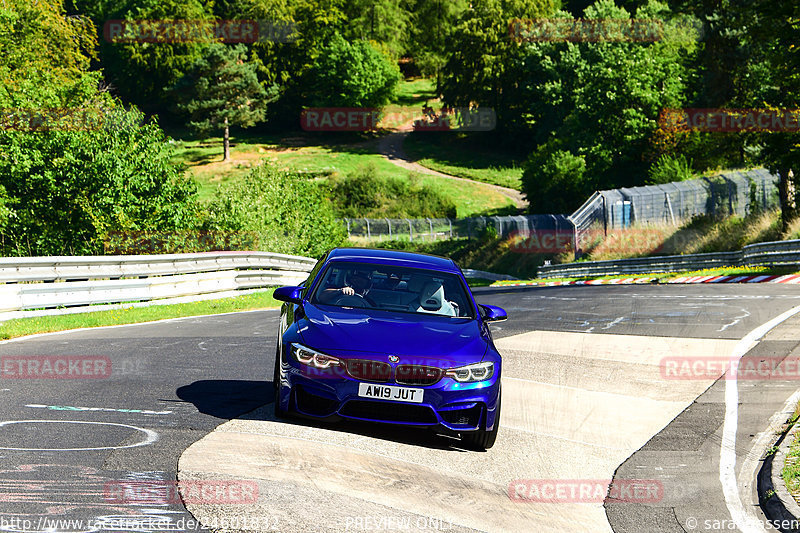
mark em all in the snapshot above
pixel 464 157
pixel 723 271
pixel 133 315
pixel 791 465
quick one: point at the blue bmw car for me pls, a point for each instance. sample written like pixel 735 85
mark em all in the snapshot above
pixel 390 337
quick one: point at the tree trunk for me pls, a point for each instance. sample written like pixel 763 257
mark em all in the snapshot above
pixel 226 142
pixel 787 198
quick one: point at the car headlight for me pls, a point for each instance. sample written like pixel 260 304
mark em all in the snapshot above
pixel 471 373
pixel 310 357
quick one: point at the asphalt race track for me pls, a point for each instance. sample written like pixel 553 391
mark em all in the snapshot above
pixel 584 392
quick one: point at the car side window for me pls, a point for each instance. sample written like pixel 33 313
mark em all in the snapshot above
pixel 313 274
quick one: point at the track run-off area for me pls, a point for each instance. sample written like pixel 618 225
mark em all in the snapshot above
pixel 595 389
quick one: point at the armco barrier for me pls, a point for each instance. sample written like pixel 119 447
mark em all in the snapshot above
pixel 48 282
pixel 778 253
pixel 74 281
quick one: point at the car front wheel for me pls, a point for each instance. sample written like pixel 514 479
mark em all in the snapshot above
pixel 276 383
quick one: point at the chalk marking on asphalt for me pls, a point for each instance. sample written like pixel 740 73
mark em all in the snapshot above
pixel 104 409
pixel 614 322
pixel 744 520
pixel 152 436
pixel 736 320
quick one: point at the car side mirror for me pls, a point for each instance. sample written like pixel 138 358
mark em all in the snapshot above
pixel 289 294
pixel 492 313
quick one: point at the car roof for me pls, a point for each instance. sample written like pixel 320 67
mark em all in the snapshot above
pixel 393 258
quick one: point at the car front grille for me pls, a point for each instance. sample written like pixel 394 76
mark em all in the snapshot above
pixel 417 374
pixel 368 370
pixel 389 412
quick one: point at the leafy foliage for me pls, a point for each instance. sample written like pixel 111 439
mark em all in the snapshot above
pixel 289 213
pixel 351 74
pixel 670 168
pixel 67 189
pixel 598 101
pixel 140 71
pixel 365 194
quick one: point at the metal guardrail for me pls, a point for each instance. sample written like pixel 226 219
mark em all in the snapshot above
pixel 48 282
pixel 482 274
pixel 778 253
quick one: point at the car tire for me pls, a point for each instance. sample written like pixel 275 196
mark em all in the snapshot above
pixel 276 383
pixel 482 440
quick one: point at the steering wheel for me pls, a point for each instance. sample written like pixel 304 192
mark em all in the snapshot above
pixel 352 300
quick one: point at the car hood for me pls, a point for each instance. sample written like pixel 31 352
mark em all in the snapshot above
pixel 356 332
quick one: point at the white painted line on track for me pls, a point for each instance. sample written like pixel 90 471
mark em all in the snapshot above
pixel 743 516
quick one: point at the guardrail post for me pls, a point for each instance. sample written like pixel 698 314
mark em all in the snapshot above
pixel 451 227
pixel 369 235
pixel 430 225
pixel 410 231
pixel 348 227
pixel 390 228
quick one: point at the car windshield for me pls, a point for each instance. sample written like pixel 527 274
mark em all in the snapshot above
pixel 407 290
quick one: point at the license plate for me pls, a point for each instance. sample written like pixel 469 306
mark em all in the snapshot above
pixel 389 392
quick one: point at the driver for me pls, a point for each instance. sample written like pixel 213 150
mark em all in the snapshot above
pixel 357 282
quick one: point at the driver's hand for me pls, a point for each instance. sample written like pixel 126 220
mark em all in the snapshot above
pixel 348 291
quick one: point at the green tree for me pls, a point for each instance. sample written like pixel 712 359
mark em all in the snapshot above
pixel 431 26
pixel 776 32
pixel 140 71
pixel 44 56
pixel 379 21
pixel 67 189
pixel 483 66
pixel 599 101
pixel 224 91
pixel 351 74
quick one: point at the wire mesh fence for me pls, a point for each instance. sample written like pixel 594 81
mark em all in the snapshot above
pixel 733 193
pixel 426 229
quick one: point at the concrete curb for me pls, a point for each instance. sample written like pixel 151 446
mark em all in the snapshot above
pixel 791 279
pixel 781 507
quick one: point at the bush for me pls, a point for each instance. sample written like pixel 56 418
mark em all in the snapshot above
pixel 67 189
pixel 554 181
pixel 669 168
pixel 365 194
pixel 289 213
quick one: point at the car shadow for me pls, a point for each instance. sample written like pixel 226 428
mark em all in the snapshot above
pixel 252 400
pixel 224 398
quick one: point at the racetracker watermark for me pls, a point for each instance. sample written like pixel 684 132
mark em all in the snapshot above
pixel 183 31
pixel 749 367
pixel 59 119
pixel 585 30
pixel 369 119
pixel 207 492
pixel 586 490
pixel 731 120
pixel 55 367
pixel 163 242
pixel 558 241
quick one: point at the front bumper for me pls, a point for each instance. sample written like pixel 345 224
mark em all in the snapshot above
pixel 448 404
